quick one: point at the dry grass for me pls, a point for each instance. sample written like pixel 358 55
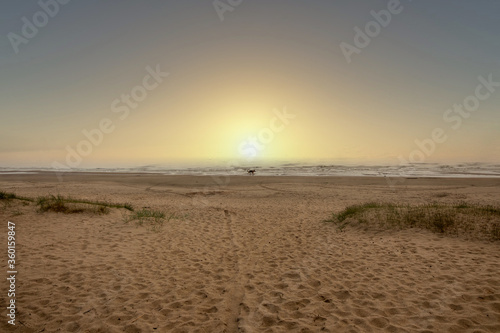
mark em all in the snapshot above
pixel 59 204
pixel 468 220
pixel 5 196
pixel 150 218
pixel 61 201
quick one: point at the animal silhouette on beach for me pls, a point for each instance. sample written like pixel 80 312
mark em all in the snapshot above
pixel 251 172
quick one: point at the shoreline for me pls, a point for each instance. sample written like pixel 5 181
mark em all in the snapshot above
pixel 419 170
pixel 226 180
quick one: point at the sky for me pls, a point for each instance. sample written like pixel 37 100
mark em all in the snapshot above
pixel 120 83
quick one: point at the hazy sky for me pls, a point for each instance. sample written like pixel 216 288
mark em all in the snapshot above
pixel 274 80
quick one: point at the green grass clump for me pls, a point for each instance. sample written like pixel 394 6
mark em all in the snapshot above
pixel 68 205
pixel 60 204
pixel 354 210
pixel 52 203
pixel 98 203
pixel 462 219
pixel 153 219
pixel 11 196
pixel 7 196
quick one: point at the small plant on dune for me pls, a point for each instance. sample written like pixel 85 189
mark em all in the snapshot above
pixel 70 205
pixel 60 204
pixel 7 196
pixel 127 206
pixel 100 210
pixel 495 230
pixel 52 203
pixel 490 210
pixel 7 200
pixel 153 219
pixel 462 205
pixel 466 219
pixel 11 196
pixel 341 219
pixel 441 221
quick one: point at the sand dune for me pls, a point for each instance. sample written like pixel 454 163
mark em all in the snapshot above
pixel 252 255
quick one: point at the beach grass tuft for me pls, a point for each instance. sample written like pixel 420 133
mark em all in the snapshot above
pixel 11 196
pixel 7 196
pixel 154 219
pixel 68 205
pixel 60 204
pixel 126 206
pixel 470 220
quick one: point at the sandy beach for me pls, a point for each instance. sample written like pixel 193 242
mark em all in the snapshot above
pixel 245 254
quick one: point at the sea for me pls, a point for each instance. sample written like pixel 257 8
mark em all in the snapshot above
pixel 418 170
